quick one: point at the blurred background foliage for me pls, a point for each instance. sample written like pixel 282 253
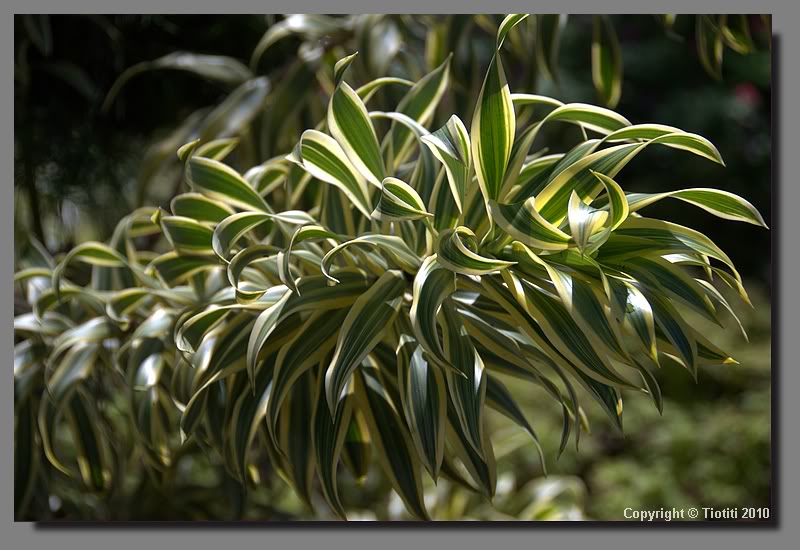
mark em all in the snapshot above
pixel 81 165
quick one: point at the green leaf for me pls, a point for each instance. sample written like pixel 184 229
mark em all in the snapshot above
pixel 493 127
pixel 322 157
pixel 368 90
pixel 509 22
pixel 258 253
pixel 548 39
pixel 482 471
pixel 419 104
pixel 388 434
pixel 308 26
pixel 422 392
pixel 584 221
pixel 392 245
pixel 499 398
pixel 450 144
pixel 173 268
pixel 76 366
pixel 327 439
pixel 341 66
pixel 709 45
pixel 637 235
pixel 301 234
pixel 399 201
pixel 553 199
pixel 559 327
pixel 455 251
pixel 246 417
pixel 467 392
pixel 670 136
pixel 350 125
pixel 631 305
pixel 216 149
pixel 736 33
pixel 200 208
pixel 219 181
pixel 524 223
pixel 362 329
pixel 269 176
pixel 314 294
pixel 606 61
pixel 677 331
pixel 296 430
pixel 93 462
pixel 314 340
pixel 357 452
pixel 186 235
pixel 219 68
pixel 432 285
pixel 92 253
pixel 720 203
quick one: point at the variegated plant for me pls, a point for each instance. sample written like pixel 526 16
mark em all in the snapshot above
pixel 366 296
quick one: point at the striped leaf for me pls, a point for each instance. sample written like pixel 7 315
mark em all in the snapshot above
pixel 313 342
pixel 391 245
pixel 467 392
pixel 314 293
pixel 328 437
pixel 582 349
pixel 659 237
pixel 499 398
pixel 432 285
pixel 424 400
pixel 451 145
pixel 455 250
pixel 393 445
pixel 362 329
pixel 631 305
pixel 492 132
pixel 350 125
pixel 584 221
pixel 399 201
pixel 200 208
pixel 523 222
pixel 720 203
pixel 419 104
pixel 219 181
pixel 322 157
pixel 187 235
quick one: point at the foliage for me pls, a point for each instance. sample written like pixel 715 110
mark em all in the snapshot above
pixel 364 297
pixel 67 133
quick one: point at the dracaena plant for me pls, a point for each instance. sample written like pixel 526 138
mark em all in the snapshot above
pixel 368 295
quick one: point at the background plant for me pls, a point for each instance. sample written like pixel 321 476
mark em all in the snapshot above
pixel 212 233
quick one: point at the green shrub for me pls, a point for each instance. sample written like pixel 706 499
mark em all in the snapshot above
pixel 363 298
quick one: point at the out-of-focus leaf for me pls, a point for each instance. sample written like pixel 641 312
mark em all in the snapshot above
pixel 606 61
pixel 709 45
pixel 548 40
pixel 225 70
